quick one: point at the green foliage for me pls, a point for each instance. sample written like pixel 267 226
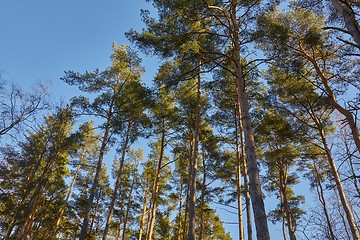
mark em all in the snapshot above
pixel 37 187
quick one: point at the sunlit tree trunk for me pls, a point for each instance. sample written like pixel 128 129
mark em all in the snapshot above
pixel 118 179
pixel 338 182
pixel 194 164
pixel 343 7
pixel 155 192
pixel 89 203
pixel 345 112
pixel 262 230
pixel 283 172
pixel 180 210
pixel 69 192
pixel 143 215
pixel 128 207
pixel 321 197
pixel 239 156
pixel 202 199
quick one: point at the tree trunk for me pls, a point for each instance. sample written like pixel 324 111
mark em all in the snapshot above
pixel 69 193
pixel 344 202
pixel 247 197
pixel 193 165
pixel 94 215
pixel 118 181
pixel 346 113
pixel 320 192
pixel 155 192
pixel 180 210
pixel 128 207
pixel 262 231
pixel 89 203
pixel 143 215
pixel 239 159
pixel 283 179
pixel 343 7
pixel 202 200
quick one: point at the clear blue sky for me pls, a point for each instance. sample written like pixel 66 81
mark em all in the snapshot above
pixel 40 39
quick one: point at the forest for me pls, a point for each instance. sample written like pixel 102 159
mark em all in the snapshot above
pixel 254 109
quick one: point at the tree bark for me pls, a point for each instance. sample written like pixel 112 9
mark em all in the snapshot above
pixel 247 194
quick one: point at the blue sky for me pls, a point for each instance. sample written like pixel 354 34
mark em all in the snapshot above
pixel 40 39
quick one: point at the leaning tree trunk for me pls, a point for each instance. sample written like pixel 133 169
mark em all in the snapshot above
pixel 321 197
pixel 89 203
pixel 69 192
pixel 335 174
pixel 118 181
pixel 345 112
pixel 155 192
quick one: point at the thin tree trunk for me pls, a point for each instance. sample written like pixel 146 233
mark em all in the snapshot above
pixel 246 186
pixel 283 179
pixel 31 205
pixel 69 193
pixel 89 203
pixel 239 157
pixel 202 200
pixel 128 206
pixel 283 228
pixel 320 192
pixel 348 235
pixel 94 215
pixel 143 215
pixel 118 181
pixel 155 192
pixel 15 217
pixel 180 210
pixel 193 169
pixel 341 192
pixel 349 156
